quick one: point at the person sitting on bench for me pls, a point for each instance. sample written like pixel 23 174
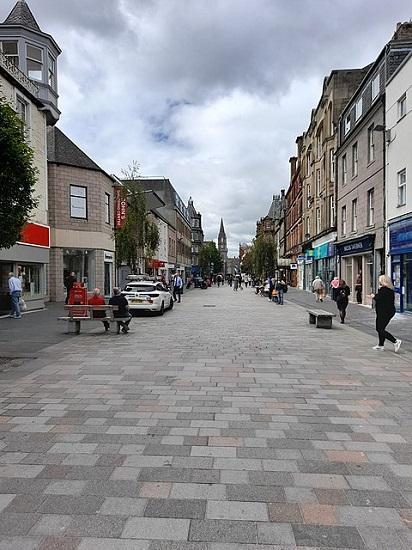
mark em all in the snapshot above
pixel 98 300
pixel 123 310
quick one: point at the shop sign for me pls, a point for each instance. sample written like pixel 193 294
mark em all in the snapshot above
pixel 155 264
pixel 301 260
pixel 108 256
pixel 120 208
pixel 35 234
pixel 400 237
pixel 359 246
pixel 293 266
pixel 325 250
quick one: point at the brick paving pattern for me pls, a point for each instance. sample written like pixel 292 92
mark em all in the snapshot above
pixel 234 427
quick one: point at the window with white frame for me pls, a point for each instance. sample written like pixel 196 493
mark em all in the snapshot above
pixel 344 169
pixel 376 82
pixel 318 221
pixel 107 207
pixel 371 144
pixel 10 49
pixel 402 106
pixel 318 189
pixel 51 72
pixel 34 62
pixel 332 164
pixel 308 163
pixel 371 207
pixel 402 187
pixel 355 159
pixel 355 215
pixel 78 202
pixel 343 221
pixel 347 124
pixel 332 210
pixel 358 109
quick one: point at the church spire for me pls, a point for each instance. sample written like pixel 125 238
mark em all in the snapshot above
pixel 21 15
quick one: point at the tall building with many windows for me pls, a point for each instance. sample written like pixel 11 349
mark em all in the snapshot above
pixel 360 167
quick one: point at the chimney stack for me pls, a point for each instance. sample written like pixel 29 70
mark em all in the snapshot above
pixel 293 161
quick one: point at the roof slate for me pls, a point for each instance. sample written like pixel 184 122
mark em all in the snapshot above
pixel 22 15
pixel 61 150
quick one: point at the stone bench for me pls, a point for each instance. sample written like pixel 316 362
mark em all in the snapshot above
pixel 81 313
pixel 320 318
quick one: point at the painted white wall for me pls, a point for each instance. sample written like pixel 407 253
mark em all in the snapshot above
pixel 398 149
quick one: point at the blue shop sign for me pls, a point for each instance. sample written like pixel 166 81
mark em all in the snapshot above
pixel 400 237
pixel 324 251
pixel 359 246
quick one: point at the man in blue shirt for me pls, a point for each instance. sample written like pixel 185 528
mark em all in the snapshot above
pixel 177 287
pixel 15 293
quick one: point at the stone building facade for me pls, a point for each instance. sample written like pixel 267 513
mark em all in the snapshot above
pixel 361 171
pixel 81 213
pixel 293 221
pixel 28 81
pixel 197 235
pixel 317 160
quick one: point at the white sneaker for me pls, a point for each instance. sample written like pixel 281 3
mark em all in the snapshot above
pixel 397 345
pixel 378 348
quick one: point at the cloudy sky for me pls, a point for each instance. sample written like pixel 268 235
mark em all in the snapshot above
pixel 210 93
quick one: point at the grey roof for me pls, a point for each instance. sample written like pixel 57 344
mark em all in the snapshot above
pixel 274 209
pixel 21 15
pixel 61 150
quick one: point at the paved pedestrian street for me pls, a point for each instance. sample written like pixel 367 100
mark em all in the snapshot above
pixel 228 423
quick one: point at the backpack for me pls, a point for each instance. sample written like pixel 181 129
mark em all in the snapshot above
pixel 285 287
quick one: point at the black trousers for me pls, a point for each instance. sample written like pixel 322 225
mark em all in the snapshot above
pixel 381 324
pixel 342 310
pixel 176 294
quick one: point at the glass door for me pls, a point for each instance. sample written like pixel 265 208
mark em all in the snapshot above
pixel 407 282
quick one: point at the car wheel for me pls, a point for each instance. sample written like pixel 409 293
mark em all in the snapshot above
pixel 172 303
pixel 162 309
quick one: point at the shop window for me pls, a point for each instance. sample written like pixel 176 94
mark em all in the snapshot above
pixel 78 202
pixel 30 277
pixel 82 262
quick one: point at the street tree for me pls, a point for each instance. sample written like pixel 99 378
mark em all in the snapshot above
pixel 18 176
pixel 264 256
pixel 210 259
pixel 139 236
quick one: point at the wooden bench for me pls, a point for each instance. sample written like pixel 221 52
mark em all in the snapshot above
pixel 320 318
pixel 79 313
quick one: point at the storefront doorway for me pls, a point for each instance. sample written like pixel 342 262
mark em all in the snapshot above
pixel 82 263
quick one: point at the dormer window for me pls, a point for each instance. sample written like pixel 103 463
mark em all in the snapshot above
pixel 10 50
pixel 34 62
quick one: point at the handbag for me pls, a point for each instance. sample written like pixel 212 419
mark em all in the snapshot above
pixel 22 304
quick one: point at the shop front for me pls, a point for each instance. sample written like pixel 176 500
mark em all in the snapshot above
pixel 400 250
pixel 360 265
pixel 325 262
pixel 29 261
pixel 308 269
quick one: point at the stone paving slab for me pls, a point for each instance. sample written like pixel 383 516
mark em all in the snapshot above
pixel 242 428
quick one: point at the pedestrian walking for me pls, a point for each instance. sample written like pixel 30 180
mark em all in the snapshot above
pixel 281 288
pixel 219 280
pixel 177 287
pixel 122 312
pixel 98 300
pixel 341 296
pixel 69 282
pixel 271 283
pixel 385 310
pixel 358 288
pixel 318 288
pixel 15 294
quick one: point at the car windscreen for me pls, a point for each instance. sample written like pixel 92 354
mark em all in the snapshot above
pixel 139 288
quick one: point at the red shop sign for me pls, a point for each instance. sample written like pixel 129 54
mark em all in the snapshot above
pixel 120 208
pixel 35 234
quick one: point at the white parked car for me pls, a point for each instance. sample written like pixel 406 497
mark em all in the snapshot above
pixel 147 296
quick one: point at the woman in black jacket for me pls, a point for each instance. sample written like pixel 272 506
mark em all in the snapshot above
pixel 341 296
pixel 385 310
